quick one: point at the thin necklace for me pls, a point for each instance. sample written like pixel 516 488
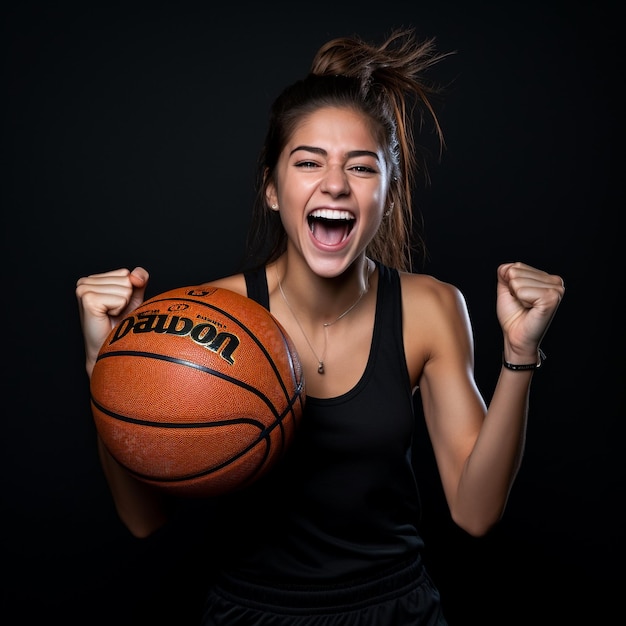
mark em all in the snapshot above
pixel 325 325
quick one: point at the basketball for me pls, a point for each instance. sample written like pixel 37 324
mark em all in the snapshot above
pixel 199 391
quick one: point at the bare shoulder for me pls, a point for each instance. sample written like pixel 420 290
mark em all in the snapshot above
pixel 435 320
pixel 425 292
pixel 236 283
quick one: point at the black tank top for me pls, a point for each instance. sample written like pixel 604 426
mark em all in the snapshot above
pixel 343 503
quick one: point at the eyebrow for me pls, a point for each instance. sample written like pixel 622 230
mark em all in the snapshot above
pixel 322 152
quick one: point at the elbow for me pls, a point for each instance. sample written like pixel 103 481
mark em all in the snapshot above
pixel 141 527
pixel 141 532
pixel 477 530
pixel 477 526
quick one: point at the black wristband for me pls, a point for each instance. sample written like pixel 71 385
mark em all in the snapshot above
pixel 541 357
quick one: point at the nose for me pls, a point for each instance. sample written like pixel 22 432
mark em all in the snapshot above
pixel 335 181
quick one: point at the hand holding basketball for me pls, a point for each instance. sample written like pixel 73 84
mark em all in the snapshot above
pixel 198 391
pixel 103 299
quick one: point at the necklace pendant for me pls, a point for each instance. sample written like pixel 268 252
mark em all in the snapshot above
pixel 325 325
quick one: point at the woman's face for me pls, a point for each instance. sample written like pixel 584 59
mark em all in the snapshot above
pixel 331 185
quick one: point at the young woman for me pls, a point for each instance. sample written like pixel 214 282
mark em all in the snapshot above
pixel 335 536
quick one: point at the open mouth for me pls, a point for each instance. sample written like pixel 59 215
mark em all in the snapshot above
pixel 330 226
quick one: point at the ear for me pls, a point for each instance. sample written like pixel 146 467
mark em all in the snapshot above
pixel 271 196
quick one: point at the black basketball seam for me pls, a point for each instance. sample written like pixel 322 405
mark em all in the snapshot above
pixel 207 370
pixel 175 425
pixel 211 470
pixel 196 366
pixel 299 383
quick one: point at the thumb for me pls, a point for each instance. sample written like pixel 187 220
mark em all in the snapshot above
pixel 139 278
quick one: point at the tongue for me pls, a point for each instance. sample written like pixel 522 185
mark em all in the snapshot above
pixel 329 232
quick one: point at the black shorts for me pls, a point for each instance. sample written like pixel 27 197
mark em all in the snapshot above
pixel 405 597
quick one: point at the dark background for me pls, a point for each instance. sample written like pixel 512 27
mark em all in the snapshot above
pixel 130 137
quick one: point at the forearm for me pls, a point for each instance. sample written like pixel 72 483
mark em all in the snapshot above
pixel 140 507
pixel 492 466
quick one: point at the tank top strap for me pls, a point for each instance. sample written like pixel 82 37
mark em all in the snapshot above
pixel 388 329
pixel 256 285
pixel 389 303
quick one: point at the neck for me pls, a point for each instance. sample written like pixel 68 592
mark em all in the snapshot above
pixel 317 300
pixel 328 321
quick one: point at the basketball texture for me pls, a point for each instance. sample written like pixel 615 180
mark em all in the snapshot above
pixel 198 391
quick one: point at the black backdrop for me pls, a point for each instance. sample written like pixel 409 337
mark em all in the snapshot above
pixel 130 137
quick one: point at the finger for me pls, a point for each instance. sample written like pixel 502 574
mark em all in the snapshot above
pixel 516 276
pixel 104 276
pixel 139 276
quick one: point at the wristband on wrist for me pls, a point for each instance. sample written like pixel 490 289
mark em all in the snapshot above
pixel 541 357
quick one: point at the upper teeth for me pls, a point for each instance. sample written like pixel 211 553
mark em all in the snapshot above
pixel 332 214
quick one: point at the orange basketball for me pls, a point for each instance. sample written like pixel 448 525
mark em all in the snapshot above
pixel 198 391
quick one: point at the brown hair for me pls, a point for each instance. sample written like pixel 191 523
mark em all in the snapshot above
pixel 385 82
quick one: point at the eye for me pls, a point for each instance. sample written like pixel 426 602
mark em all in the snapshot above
pixel 306 164
pixel 363 169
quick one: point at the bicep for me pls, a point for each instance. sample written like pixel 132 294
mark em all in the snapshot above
pixel 453 407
